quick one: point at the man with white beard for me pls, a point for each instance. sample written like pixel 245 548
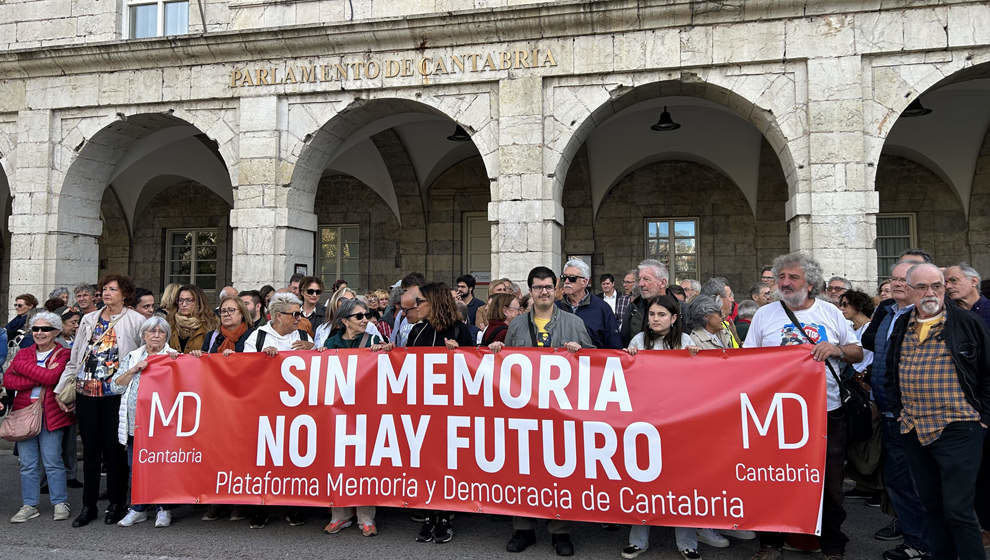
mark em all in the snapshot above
pixel 799 279
pixel 938 383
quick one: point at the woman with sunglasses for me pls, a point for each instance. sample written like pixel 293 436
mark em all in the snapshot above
pixel 349 327
pixel 437 325
pixel 310 290
pixel 190 320
pixel 24 304
pixel 33 374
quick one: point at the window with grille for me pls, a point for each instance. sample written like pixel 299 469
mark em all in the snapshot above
pixel 895 233
pixel 191 257
pixel 155 18
pixel 674 242
pixel 338 254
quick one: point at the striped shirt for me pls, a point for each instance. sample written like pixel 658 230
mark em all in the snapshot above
pixel 930 391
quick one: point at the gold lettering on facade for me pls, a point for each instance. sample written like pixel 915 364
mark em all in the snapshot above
pixel 389 68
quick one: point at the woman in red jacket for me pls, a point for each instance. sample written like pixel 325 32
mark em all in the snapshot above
pixel 33 374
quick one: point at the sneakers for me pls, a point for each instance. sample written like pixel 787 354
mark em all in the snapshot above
pixel 767 553
pixel 740 534
pixel 259 520
pixel 335 527
pixel 521 540
pixel 163 518
pixel 368 529
pixel 711 538
pixel 426 531
pixel 62 512
pixel 891 532
pixel 904 552
pixel 24 514
pixel 444 531
pixel 133 517
pixel 690 553
pixel 632 551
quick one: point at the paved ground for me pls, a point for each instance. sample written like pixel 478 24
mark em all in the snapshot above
pixel 476 536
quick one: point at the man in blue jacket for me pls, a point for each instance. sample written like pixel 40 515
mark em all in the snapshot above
pixel 598 317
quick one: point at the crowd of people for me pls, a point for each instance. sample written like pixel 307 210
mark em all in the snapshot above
pixel 920 347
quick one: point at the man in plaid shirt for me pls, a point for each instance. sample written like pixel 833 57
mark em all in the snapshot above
pixel 938 383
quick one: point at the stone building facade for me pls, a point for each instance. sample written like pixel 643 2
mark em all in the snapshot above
pixel 260 138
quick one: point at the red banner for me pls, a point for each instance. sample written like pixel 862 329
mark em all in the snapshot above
pixel 722 439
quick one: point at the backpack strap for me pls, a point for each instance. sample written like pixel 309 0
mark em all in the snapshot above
pixel 800 327
pixel 303 335
pixel 259 343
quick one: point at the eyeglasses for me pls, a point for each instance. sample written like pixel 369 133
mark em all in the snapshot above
pixel 314 292
pixel 19 305
pixel 43 329
pixel 836 288
pixel 548 288
pixel 419 301
pixel 228 310
pixel 359 316
pixel 571 279
pixel 185 301
pixel 923 288
pixel 295 314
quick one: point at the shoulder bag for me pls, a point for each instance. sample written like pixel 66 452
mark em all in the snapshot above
pixel 25 423
pixel 855 400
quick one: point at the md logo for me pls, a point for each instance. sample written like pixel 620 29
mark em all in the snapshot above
pixel 776 411
pixel 177 413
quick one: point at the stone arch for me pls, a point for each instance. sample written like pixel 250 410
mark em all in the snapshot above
pixel 98 148
pixel 319 132
pixel 771 102
pixel 892 87
pixel 979 210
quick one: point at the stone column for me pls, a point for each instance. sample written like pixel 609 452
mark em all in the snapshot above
pixel 44 251
pixel 273 226
pixel 527 220
pixel 833 213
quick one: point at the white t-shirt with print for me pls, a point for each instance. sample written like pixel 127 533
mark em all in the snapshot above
pixel 823 322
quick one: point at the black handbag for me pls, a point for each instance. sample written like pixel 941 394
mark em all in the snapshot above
pixel 855 399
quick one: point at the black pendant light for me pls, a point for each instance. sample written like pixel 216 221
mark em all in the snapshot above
pixel 459 135
pixel 665 124
pixel 916 109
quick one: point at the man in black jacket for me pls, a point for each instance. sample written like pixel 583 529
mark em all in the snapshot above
pixel 653 278
pixel 938 384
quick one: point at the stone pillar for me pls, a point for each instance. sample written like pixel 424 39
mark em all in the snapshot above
pixel 833 213
pixel 527 219
pixel 273 226
pixel 44 251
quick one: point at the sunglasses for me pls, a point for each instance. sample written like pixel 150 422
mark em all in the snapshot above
pixel 295 314
pixel 419 301
pixel 43 329
pixel 314 292
pixel 571 279
pixel 359 316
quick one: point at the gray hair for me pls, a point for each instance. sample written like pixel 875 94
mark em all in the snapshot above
pixel 84 288
pixel 52 319
pixel 715 286
pixel 155 322
pixel 58 292
pixel 280 301
pixel 844 281
pixel 580 265
pixel 346 308
pixel 812 270
pixel 658 267
pixel 919 266
pixel 693 284
pixel 747 309
pixel 699 308
pixel 969 271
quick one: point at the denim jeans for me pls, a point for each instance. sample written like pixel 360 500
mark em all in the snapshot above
pixel 685 537
pixel 43 453
pixel 945 471
pixel 901 487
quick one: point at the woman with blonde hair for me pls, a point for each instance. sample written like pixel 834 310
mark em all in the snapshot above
pixel 191 319
pixel 169 295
